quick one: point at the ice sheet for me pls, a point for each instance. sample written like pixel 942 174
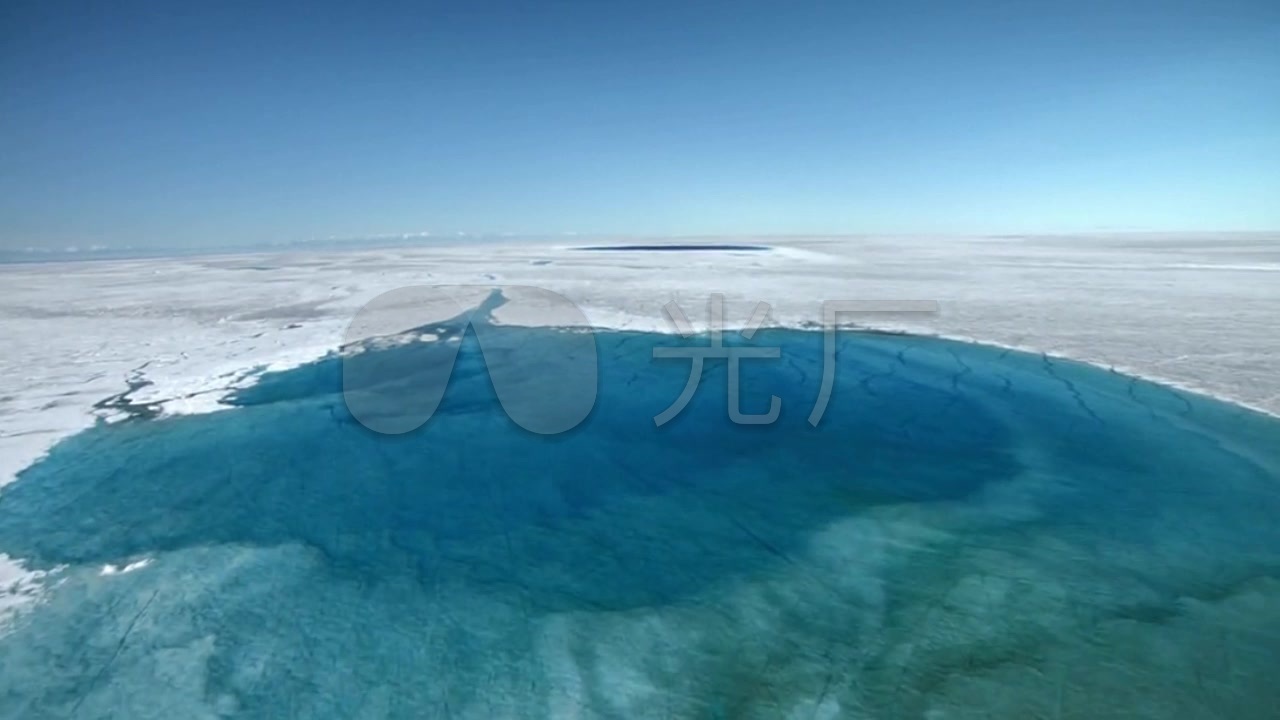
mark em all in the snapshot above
pixel 1197 311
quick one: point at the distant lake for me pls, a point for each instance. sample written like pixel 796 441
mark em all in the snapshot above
pixel 676 248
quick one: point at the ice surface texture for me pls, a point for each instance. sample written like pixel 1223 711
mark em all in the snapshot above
pixel 969 532
pixel 1199 311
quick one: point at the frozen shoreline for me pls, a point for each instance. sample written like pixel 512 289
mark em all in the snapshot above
pixel 1190 312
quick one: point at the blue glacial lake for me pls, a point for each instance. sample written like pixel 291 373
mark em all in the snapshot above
pixel 968 532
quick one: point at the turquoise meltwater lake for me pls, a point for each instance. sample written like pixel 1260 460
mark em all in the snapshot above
pixel 969 532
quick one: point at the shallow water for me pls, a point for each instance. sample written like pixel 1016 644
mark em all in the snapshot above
pixel 969 532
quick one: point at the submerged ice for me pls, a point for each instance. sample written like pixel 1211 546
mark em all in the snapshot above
pixel 969 532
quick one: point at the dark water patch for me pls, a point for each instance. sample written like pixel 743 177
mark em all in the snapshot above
pixel 122 402
pixel 702 247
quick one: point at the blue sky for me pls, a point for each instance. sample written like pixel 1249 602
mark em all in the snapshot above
pixel 229 123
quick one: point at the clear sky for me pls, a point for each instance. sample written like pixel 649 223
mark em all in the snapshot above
pixel 227 123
